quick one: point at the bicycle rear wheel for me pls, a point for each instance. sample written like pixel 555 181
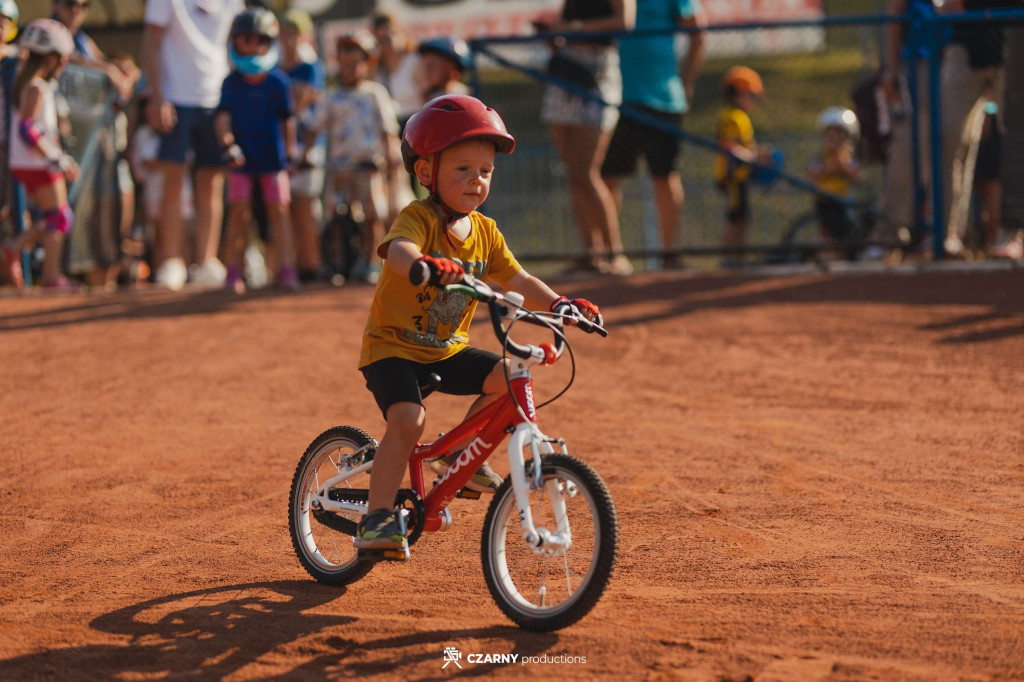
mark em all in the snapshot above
pixel 548 591
pixel 322 539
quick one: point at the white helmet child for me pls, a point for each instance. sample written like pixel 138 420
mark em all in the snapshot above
pixel 46 36
pixel 842 118
pixel 9 9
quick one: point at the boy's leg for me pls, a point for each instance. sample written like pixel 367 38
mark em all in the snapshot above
pixel 236 232
pixel 395 387
pixel 374 198
pixel 277 199
pixel 53 248
pixel 405 426
pixel 467 364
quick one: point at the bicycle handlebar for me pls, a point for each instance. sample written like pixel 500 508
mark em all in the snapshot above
pixel 422 273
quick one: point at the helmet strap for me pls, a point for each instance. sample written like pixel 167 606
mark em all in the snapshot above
pixel 451 216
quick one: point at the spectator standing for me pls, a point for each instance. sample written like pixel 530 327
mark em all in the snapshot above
pixel 8 63
pixel 72 13
pixel 834 170
pixel 581 128
pixel 741 86
pixel 972 74
pixel 359 117
pixel 256 127
pixel 185 50
pixel 651 82
pixel 37 160
pixel 307 182
pixel 901 203
pixel 9 15
pixel 443 63
pixel 397 65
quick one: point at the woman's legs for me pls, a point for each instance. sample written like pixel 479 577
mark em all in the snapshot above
pixel 582 150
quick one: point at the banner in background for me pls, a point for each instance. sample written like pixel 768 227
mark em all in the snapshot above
pixel 488 18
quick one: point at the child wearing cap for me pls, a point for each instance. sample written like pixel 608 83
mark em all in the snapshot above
pixel 362 129
pixel 741 87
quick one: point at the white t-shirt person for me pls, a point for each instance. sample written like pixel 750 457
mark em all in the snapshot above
pixel 193 52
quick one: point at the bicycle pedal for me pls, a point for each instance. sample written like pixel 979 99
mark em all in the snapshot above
pixel 384 554
pixel 468 494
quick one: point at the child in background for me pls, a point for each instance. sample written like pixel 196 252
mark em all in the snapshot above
pixel 362 127
pixel 834 170
pixel 307 182
pixel 36 158
pixel 8 63
pixel 149 180
pixel 255 125
pixel 443 63
pixel 450 146
pixel 741 86
pixel 8 28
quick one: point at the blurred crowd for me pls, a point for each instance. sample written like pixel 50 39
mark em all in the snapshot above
pixel 249 166
pixel 236 167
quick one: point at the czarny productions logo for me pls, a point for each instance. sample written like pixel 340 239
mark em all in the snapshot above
pixel 453 655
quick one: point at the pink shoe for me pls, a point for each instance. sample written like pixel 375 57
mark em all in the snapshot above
pixel 10 266
pixel 233 280
pixel 288 278
pixel 61 283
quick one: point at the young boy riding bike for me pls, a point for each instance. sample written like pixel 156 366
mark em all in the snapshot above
pixel 415 331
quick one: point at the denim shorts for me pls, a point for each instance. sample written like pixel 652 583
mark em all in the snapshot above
pixel 193 132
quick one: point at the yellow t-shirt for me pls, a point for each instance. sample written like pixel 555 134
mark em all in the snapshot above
pixel 837 182
pixel 734 126
pixel 423 323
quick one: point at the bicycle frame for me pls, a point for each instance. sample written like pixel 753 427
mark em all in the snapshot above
pixel 513 413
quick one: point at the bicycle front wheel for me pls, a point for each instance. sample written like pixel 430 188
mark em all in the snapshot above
pixel 323 539
pixel 549 590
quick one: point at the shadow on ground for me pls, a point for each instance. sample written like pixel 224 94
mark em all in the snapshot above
pixel 214 633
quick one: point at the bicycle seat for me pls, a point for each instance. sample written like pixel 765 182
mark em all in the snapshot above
pixel 429 384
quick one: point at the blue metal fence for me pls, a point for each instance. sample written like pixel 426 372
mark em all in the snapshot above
pixel 509 74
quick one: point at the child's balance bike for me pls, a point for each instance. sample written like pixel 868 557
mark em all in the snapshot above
pixel 550 537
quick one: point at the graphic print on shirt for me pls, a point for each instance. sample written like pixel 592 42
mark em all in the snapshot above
pixel 443 311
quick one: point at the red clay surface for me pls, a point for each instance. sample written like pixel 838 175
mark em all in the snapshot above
pixel 816 477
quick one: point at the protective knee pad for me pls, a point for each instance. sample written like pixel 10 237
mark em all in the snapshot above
pixel 59 219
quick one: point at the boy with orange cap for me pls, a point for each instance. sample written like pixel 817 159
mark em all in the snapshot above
pixel 741 86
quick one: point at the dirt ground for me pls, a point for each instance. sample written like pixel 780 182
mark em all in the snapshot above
pixel 817 477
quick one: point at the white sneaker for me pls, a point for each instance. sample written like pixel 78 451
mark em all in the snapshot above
pixel 255 268
pixel 211 273
pixel 172 274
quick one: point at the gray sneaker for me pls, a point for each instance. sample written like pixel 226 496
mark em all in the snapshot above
pixel 380 529
pixel 485 480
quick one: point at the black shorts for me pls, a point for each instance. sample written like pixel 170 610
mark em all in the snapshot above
pixel 397 380
pixel 631 137
pixel 738 206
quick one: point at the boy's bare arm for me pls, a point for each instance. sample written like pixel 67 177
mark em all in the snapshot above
pixel 402 253
pixel 537 294
pixel 291 133
pixel 222 126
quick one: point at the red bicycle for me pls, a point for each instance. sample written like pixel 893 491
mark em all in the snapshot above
pixel 550 536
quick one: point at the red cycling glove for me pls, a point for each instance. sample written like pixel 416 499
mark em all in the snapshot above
pixel 442 266
pixel 581 306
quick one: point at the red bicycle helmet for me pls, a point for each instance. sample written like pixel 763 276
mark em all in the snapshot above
pixel 448 120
